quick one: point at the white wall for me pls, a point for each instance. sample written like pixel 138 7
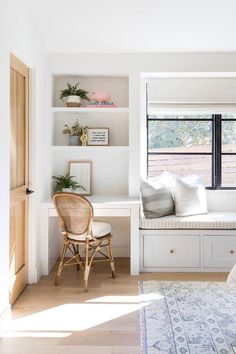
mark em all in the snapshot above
pixel 19 36
pixel 136 66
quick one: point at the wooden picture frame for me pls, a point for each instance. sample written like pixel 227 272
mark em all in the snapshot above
pixel 98 136
pixel 82 170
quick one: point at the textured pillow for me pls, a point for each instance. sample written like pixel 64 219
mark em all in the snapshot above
pixel 157 200
pixel 189 198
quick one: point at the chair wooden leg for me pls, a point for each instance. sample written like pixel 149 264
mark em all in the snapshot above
pixel 77 250
pixel 87 267
pixel 112 263
pixel 60 267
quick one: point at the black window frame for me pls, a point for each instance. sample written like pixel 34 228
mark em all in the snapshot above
pixel 216 152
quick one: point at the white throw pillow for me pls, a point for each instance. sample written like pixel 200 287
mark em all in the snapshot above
pixel 189 196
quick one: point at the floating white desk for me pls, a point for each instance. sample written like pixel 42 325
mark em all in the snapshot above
pixel 115 206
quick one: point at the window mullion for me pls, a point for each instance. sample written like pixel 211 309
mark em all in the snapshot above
pixel 214 175
pixel 217 150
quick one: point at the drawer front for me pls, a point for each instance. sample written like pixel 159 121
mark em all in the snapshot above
pixel 219 251
pixel 171 251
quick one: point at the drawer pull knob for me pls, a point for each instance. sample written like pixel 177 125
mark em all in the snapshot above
pixel 232 251
pixel 172 251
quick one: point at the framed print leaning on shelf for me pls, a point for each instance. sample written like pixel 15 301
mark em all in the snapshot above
pixel 98 136
pixel 82 171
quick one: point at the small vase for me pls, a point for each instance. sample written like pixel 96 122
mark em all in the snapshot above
pixel 73 101
pixel 74 140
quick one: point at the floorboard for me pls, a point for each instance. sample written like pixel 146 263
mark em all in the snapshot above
pixel 65 320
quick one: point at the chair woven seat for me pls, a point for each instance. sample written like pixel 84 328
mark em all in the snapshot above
pixel 99 229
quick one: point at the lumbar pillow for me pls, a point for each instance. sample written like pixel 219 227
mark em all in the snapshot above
pixel 157 200
pixel 189 196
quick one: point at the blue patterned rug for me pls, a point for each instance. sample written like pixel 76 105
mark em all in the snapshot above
pixel 188 317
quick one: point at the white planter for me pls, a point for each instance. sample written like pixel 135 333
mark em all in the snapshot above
pixel 66 190
pixel 73 101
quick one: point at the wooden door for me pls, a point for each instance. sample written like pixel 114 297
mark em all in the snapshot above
pixel 18 177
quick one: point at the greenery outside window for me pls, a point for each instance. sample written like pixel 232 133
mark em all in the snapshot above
pixel 203 144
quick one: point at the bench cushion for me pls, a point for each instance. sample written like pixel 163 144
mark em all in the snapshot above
pixel 213 220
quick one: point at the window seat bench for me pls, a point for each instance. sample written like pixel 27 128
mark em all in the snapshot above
pixel 212 220
pixel 199 243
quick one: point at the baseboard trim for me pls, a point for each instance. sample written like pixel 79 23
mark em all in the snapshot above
pixel 35 275
pixel 4 320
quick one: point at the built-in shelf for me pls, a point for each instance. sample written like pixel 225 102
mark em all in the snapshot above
pixel 90 148
pixel 89 110
pixel 110 164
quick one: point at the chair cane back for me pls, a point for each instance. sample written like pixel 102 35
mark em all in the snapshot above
pixel 82 237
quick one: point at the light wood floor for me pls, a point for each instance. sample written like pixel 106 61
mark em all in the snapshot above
pixel 65 320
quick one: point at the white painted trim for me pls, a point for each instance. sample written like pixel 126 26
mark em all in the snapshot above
pixel 185 270
pixel 134 241
pixel 187 232
pixel 91 110
pixel 32 234
pixel 90 149
pixel 44 244
pixel 134 134
pixel 183 74
pixel 5 317
pixel 191 109
pixel 143 129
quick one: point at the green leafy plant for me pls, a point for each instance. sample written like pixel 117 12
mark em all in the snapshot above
pixel 65 181
pixel 75 130
pixel 73 90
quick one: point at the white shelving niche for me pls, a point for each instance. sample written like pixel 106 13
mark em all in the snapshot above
pixel 110 164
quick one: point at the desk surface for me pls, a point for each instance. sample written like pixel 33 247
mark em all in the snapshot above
pixel 106 201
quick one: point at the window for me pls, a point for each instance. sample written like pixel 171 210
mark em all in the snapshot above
pixel 203 144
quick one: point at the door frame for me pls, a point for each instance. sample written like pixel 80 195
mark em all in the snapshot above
pixel 34 273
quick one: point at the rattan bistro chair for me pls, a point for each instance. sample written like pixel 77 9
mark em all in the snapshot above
pixel 82 236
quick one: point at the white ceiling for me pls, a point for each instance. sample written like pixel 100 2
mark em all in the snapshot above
pixel 98 26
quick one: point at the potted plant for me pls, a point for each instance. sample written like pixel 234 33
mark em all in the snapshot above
pixel 65 183
pixel 73 95
pixel 74 131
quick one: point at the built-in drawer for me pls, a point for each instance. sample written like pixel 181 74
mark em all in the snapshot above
pixel 219 251
pixel 171 251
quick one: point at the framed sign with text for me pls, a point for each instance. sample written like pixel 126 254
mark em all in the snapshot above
pixel 98 136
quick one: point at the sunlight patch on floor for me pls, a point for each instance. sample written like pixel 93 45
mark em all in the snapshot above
pixel 61 320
